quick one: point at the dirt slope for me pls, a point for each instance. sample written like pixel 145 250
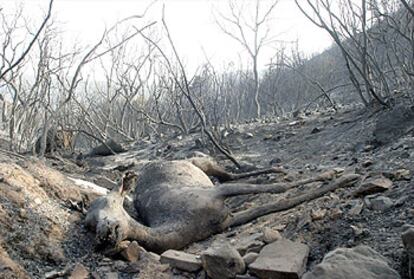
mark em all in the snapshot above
pixel 41 230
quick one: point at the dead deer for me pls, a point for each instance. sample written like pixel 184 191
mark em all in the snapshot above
pixel 178 204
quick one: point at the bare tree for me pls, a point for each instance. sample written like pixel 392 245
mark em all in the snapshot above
pixel 346 23
pixel 252 35
pixel 408 6
pixel 15 61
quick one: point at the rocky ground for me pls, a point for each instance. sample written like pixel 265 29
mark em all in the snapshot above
pixel 42 203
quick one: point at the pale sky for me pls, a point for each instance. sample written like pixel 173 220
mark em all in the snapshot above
pixel 191 23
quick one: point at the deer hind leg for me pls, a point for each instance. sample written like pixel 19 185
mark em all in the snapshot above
pixel 235 189
pixel 250 214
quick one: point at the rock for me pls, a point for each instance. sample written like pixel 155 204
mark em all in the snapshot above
pixel 275 161
pixel 335 213
pixel 134 267
pixel 304 220
pixel 328 175
pixel 277 138
pixel 109 148
pixel 222 261
pixel 79 272
pixel 318 214
pixel 398 175
pixel 111 275
pixel 393 124
pixel 267 137
pixel 290 177
pixel 339 171
pixel 359 147
pixel 401 201
pixel 367 163
pixel 368 147
pixel 360 262
pixel 250 243
pixel 270 235
pixel 316 130
pixel 133 252
pixel 357 208
pixel 373 185
pixel 402 174
pixel 53 274
pixel 38 201
pixel 381 203
pixel 250 257
pixel 281 259
pixel 408 241
pixel 249 135
pixel 358 231
pixel 23 213
pixel 119 265
pixel 181 260
pixel 154 256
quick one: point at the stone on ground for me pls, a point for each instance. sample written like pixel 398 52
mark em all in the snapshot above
pixel 109 148
pixel 79 272
pixel 283 259
pixel 250 257
pixel 318 214
pixel 132 253
pixel 373 185
pixel 181 260
pixel 270 235
pixel 250 243
pixel 408 240
pixel 222 261
pixel 361 262
pixel 393 124
pixel 381 203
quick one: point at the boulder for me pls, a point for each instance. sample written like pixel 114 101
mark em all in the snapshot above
pixel 283 259
pixel 373 185
pixel 381 203
pixel 393 124
pixel 222 261
pixel 361 262
pixel 110 147
pixel 181 260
